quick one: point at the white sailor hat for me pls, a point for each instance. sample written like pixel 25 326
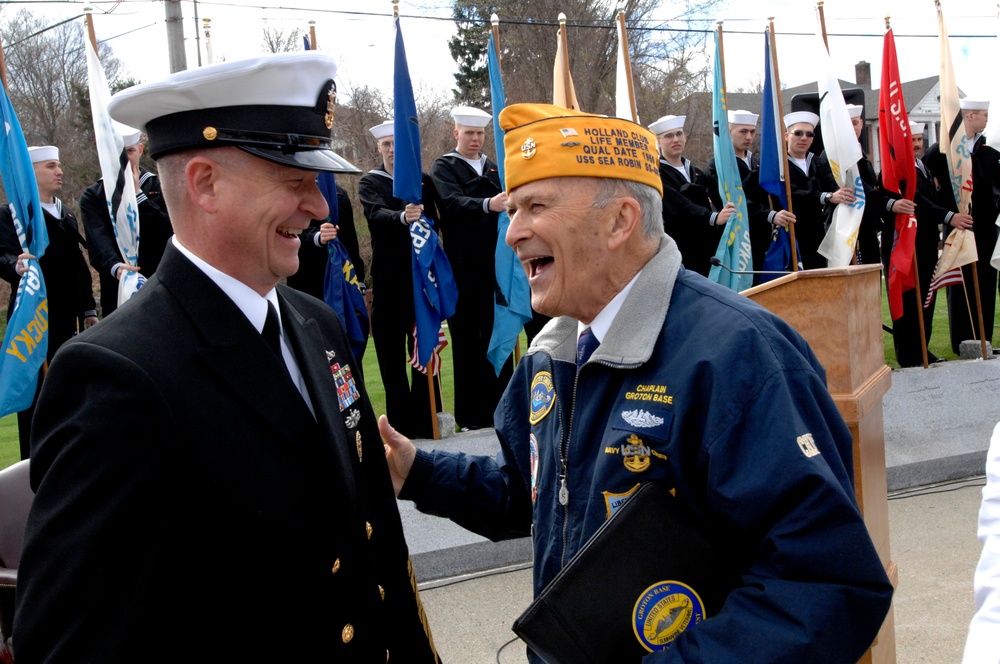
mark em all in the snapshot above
pixel 40 153
pixel 468 116
pixel 380 131
pixel 666 123
pixel 740 117
pixel 130 135
pixel 277 107
pixel 973 105
pixel 854 110
pixel 801 116
pixel 917 128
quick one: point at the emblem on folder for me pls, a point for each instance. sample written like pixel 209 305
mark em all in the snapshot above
pixel 663 611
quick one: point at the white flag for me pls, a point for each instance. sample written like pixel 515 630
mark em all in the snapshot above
pixel 843 152
pixel 119 185
pixel 623 100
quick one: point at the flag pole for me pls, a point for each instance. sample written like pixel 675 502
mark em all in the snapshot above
pixel 89 17
pixel 628 65
pixel 565 58
pixel 722 53
pixel 495 28
pixel 312 35
pixel 784 143
pixel 822 24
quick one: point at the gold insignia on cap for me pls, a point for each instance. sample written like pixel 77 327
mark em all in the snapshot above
pixel 381 591
pixel 209 133
pixel 347 633
pixel 528 148
pixel 368 529
pixel 357 441
pixel 331 99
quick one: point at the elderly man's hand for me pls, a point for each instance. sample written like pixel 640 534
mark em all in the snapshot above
pixel 724 214
pixel 962 221
pixel 399 453
pixel 499 202
pixel 783 218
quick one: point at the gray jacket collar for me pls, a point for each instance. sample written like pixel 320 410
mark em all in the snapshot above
pixel 633 334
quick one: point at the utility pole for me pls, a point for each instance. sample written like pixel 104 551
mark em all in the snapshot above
pixel 175 36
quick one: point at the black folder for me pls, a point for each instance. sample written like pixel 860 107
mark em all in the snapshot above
pixel 647 575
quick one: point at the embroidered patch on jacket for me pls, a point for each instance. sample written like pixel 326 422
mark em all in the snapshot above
pixel 807 445
pixel 662 613
pixel 533 451
pixel 543 396
pixel 347 391
pixel 635 455
pixel 613 501
pixel 642 419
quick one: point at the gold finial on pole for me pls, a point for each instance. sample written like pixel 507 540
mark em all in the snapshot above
pixel 395 9
pixel 886 22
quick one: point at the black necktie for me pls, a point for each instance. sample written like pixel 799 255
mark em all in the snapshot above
pixel 272 331
pixel 585 346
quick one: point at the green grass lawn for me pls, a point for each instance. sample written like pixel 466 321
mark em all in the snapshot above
pixel 940 346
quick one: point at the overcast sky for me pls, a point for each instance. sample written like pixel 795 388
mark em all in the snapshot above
pixel 361 39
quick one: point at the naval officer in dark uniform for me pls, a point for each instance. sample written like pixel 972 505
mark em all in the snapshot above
pixel 406 393
pixel 154 224
pixel 471 199
pixel 689 216
pixel 207 467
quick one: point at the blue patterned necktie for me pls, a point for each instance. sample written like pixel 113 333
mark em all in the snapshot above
pixel 585 347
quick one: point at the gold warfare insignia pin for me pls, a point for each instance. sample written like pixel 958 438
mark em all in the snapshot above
pixel 331 99
pixel 635 454
pixel 528 148
pixel 210 133
pixel 357 441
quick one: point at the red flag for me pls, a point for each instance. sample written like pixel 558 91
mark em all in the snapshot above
pixel 899 173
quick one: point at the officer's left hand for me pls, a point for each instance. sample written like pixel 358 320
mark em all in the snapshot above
pixel 89 322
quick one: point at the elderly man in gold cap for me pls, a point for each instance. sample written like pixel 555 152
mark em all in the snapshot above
pixel 651 373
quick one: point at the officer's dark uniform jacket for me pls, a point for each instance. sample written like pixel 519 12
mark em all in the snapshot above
pixel 688 216
pixel 697 387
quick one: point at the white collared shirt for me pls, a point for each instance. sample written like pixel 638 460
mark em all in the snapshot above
pixel 254 307
pixel 602 321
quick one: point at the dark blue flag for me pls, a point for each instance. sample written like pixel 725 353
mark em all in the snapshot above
pixel 434 290
pixel 342 292
pixel 26 341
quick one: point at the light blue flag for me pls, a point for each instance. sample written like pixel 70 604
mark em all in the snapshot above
pixel 434 290
pixel 512 307
pixel 26 342
pixel 734 248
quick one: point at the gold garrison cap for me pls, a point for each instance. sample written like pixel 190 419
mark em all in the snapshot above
pixel 545 141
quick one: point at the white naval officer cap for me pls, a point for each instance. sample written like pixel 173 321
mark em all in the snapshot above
pixel 666 123
pixel 740 117
pixel 974 105
pixel 854 110
pixel 801 116
pixel 383 130
pixel 917 128
pixel 469 116
pixel 277 107
pixel 40 153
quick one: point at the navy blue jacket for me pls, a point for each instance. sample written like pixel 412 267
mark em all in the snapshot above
pixel 698 387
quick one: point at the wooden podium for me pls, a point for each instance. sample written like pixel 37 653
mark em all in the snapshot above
pixel 838 311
